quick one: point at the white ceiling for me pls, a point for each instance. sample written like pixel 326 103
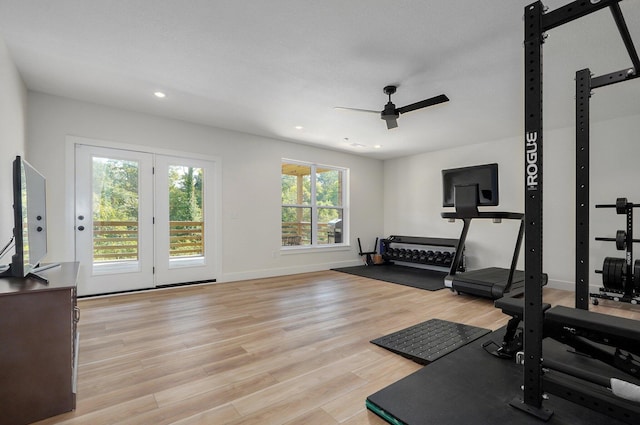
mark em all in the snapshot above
pixel 265 67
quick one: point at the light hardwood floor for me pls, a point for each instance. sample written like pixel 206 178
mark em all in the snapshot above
pixel 284 350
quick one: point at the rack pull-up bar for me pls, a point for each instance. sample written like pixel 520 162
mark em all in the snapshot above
pixel 624 33
pixel 571 12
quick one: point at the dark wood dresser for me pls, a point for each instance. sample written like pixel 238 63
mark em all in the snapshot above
pixel 38 345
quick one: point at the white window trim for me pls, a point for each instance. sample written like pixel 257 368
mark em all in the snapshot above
pixel 315 247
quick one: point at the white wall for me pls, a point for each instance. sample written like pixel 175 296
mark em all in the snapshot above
pixel 413 196
pixel 250 182
pixel 403 196
pixel 413 199
pixel 13 101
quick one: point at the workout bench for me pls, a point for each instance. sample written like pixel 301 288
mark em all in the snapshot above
pixel 615 341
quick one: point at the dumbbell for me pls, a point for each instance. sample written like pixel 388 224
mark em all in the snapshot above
pixel 423 256
pixel 415 255
pixel 439 257
pixel 431 257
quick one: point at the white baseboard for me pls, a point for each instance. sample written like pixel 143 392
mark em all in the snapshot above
pixel 569 286
pixel 561 284
pixel 283 271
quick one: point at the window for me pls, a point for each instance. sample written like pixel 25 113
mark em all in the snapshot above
pixel 313 204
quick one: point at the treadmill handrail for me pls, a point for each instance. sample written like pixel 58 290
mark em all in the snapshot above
pixel 486 214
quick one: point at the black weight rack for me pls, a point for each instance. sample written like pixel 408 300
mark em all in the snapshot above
pixel 620 276
pixel 437 253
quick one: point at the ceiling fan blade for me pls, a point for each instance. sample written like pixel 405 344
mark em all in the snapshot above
pixel 391 123
pixel 342 108
pixel 423 104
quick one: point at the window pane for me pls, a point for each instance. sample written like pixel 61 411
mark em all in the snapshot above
pixel 296 184
pixel 328 187
pixel 115 210
pixel 186 226
pixel 330 225
pixel 296 226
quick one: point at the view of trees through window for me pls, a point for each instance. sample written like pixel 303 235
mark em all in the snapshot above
pixel 185 211
pixel 185 193
pixel 302 196
pixel 115 210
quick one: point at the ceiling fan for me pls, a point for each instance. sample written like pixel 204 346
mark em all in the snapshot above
pixel 390 113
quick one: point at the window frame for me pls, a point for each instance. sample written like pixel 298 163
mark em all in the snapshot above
pixel 315 245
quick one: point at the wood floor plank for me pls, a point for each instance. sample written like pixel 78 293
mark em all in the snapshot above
pixel 219 415
pixel 314 417
pixel 276 351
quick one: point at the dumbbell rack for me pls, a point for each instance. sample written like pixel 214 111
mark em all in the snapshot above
pixel 432 253
pixel 620 276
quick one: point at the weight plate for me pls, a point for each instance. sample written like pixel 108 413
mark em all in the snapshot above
pixel 619 269
pixel 606 272
pixel 621 240
pixel 636 275
pixel 613 273
pixel 621 205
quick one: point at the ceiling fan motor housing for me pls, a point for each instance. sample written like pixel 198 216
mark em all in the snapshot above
pixel 389 112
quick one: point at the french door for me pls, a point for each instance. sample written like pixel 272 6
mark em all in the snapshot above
pixel 142 219
pixel 185 220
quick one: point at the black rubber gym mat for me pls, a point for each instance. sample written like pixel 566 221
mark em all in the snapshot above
pixel 470 386
pixel 428 341
pixel 431 280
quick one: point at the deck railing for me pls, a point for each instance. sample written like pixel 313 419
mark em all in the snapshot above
pixel 115 240
pixel 299 233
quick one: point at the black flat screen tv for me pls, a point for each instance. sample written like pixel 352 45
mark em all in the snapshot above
pixel 29 212
pixel 484 176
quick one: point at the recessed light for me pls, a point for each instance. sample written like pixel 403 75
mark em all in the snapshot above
pixel 298 127
pixel 377 146
pixel 159 95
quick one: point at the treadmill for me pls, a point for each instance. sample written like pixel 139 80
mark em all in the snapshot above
pixel 492 282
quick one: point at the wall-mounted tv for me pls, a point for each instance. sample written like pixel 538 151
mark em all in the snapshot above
pixel 484 176
pixel 29 212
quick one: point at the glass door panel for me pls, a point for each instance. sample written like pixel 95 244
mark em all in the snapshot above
pixel 114 219
pixel 185 213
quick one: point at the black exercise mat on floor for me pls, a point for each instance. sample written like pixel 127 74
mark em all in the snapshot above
pixel 428 341
pixel 431 280
pixel 470 386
